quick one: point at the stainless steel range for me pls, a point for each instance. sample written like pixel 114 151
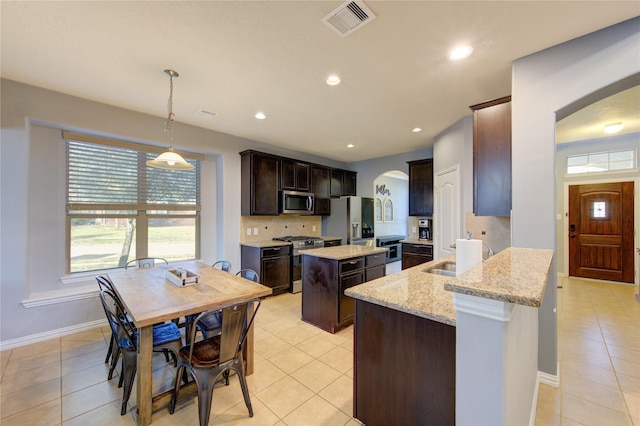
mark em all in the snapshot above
pixel 299 243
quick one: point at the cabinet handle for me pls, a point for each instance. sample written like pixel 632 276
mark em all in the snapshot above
pixel 353 262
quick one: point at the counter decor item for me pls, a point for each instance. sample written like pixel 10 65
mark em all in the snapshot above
pixel 468 254
pixel 182 277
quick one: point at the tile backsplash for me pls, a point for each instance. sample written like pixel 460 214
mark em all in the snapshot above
pixel 268 227
pixel 497 231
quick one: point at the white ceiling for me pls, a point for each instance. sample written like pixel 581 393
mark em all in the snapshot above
pixel 239 57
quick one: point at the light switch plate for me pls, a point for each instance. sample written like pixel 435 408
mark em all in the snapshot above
pixel 248 231
pixel 314 228
pixel 255 231
pixel 413 230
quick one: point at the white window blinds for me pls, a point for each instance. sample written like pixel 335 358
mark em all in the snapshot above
pixel 106 177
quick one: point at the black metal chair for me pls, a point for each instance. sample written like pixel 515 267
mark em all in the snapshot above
pixel 166 337
pixel 207 359
pixel 145 262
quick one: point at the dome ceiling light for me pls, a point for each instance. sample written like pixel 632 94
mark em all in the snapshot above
pixel 170 159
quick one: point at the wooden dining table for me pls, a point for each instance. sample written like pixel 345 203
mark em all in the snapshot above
pixel 150 298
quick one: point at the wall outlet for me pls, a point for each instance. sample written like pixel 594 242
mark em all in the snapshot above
pixel 255 231
pixel 413 230
pixel 248 231
pixel 314 228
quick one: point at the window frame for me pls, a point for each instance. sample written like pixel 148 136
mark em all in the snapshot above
pixel 141 212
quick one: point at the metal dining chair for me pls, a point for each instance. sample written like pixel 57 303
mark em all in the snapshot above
pixel 249 274
pixel 225 265
pixel 165 337
pixel 207 359
pixel 145 262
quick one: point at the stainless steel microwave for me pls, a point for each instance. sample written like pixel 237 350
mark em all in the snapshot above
pixel 295 202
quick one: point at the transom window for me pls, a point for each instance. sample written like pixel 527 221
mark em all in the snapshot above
pixel 120 209
pixel 601 161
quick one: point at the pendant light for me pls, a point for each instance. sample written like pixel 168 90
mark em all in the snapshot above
pixel 170 159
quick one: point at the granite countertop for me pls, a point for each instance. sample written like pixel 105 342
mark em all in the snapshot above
pixel 343 252
pixel 412 291
pixel 515 275
pixel 417 241
pixel 265 243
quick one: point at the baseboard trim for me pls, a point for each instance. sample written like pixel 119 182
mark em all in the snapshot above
pixel 547 379
pixel 47 335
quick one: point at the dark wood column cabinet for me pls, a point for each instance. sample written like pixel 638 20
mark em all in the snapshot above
pixel 273 264
pixel 324 281
pixel 260 182
pixel 421 187
pixel 295 176
pixel 404 368
pixel 492 157
pixel 321 188
pixel 415 254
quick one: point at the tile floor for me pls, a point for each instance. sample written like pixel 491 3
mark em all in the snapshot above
pixel 599 354
pixel 303 376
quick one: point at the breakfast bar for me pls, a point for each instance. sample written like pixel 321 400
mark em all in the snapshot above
pixel 467 344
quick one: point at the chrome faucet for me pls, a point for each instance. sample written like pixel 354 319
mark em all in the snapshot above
pixel 490 253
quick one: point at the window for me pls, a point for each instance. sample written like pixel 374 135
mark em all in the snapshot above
pixel 378 210
pixel 388 210
pixel 119 209
pixel 601 162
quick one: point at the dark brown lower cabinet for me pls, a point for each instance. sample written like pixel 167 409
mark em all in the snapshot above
pixel 415 254
pixel 404 368
pixel 273 265
pixel 324 282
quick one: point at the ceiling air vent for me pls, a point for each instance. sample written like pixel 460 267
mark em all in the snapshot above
pixel 207 115
pixel 348 17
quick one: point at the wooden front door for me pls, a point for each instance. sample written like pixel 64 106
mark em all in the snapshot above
pixel 601 231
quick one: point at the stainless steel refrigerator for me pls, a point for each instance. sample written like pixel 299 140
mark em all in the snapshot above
pixel 352 219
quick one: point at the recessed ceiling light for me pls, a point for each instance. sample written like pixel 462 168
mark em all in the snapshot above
pixel 613 128
pixel 416 130
pixel 333 80
pixel 350 145
pixel 460 52
pixel 260 116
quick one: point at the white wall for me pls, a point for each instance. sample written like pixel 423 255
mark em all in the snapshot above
pixel 544 83
pixel 399 195
pixel 454 147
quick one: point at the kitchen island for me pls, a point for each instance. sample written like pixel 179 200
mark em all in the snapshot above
pixel 327 273
pixel 450 350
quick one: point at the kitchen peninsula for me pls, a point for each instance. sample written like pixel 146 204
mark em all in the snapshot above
pixel 327 273
pixel 454 350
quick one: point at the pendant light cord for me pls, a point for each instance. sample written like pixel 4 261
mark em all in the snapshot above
pixel 168 125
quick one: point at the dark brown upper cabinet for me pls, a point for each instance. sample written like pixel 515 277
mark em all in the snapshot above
pixel 421 187
pixel 321 185
pixel 260 180
pixel 343 182
pixel 349 183
pixel 492 157
pixel 295 175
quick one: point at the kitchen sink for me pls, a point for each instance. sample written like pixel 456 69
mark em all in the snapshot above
pixel 447 269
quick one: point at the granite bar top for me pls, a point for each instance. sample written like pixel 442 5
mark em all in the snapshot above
pixel 328 238
pixel 412 291
pixel 515 275
pixel 343 252
pixel 265 243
